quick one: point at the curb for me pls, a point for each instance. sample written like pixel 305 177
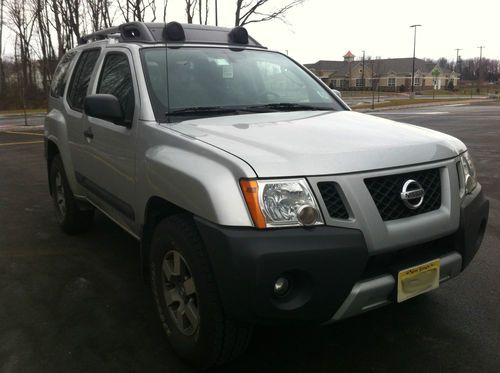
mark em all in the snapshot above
pixel 416 105
pixel 20 128
pixel 21 115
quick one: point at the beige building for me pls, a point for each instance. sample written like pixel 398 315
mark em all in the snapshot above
pixel 390 74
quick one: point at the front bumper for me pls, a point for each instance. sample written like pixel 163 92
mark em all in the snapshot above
pixel 331 272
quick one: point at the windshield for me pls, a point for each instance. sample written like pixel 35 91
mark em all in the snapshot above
pixel 219 81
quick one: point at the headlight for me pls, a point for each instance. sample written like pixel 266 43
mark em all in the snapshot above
pixel 281 203
pixel 470 180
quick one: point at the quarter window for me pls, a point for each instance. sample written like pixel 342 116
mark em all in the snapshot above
pixel 116 79
pixel 81 78
pixel 61 75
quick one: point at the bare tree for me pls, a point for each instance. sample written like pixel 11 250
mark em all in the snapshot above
pixel 190 9
pixel 135 10
pixel 99 14
pixel 43 36
pixel 253 11
pixel 1 48
pixel 21 22
pixel 165 11
pixel 203 12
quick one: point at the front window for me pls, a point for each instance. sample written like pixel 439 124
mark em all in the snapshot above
pixel 391 82
pixel 217 81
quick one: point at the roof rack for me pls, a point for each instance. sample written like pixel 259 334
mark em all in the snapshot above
pixel 174 32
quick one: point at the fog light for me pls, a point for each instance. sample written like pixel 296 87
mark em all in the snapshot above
pixel 281 286
pixel 307 215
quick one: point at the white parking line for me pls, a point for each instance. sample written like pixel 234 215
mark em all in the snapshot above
pixel 415 113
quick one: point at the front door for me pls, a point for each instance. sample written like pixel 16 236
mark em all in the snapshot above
pixel 109 173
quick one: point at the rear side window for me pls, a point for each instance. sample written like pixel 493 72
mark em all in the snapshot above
pixel 116 79
pixel 61 75
pixel 81 78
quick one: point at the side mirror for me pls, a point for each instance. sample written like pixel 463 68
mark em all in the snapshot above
pixel 337 92
pixel 106 107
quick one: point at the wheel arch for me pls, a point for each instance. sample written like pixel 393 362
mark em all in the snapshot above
pixel 51 150
pixel 157 209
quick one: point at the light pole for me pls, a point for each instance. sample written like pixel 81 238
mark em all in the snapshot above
pixel 363 73
pixel 480 69
pixel 412 95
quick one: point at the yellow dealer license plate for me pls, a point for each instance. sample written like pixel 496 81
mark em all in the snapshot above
pixel 417 280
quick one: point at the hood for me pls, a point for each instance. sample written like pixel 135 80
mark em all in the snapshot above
pixel 283 144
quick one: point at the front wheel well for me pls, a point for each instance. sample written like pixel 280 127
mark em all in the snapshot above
pixel 157 209
pixel 51 151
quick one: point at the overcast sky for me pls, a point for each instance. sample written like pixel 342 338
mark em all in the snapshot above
pixel 326 29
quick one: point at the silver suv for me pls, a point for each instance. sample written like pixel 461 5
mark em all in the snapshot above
pixel 256 194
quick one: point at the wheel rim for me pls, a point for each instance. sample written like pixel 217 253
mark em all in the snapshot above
pixel 180 293
pixel 59 192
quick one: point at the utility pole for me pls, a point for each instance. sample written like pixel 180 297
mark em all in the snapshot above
pixel 480 69
pixel 412 95
pixel 216 14
pixel 457 67
pixel 458 58
pixel 363 72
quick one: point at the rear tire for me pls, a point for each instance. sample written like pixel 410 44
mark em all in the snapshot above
pixel 183 282
pixel 70 217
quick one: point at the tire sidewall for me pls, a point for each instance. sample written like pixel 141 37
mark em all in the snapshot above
pixel 56 166
pixel 196 348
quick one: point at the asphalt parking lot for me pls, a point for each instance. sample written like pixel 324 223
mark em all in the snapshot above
pixel 79 304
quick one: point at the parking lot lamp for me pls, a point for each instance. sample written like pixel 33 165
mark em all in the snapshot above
pixel 412 95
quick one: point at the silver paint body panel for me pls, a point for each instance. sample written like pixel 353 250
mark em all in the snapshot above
pixel 197 164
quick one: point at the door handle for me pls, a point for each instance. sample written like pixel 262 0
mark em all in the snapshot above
pixel 88 133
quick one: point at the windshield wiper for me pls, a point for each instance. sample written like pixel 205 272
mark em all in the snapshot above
pixel 287 106
pixel 203 110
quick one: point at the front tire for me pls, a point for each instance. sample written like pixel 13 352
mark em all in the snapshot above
pixel 70 217
pixel 187 297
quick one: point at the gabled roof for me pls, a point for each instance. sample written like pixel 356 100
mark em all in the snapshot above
pixel 339 67
pixel 348 54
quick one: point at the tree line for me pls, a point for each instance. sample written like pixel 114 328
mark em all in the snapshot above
pixel 43 30
pixel 484 69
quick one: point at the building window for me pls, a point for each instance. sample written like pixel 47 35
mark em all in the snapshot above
pixel 334 83
pixel 391 82
pixel 342 83
pixel 360 83
pixel 416 81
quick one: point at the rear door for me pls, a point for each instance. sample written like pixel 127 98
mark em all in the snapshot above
pixel 75 118
pixel 109 170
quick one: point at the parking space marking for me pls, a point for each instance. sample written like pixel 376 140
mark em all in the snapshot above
pixel 412 113
pixel 24 133
pixel 21 143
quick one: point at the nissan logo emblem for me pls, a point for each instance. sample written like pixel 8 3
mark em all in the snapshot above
pixel 412 194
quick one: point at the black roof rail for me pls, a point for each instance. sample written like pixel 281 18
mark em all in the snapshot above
pixel 130 31
pixel 174 32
